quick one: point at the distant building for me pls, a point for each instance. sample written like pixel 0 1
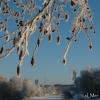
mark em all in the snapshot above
pixel 64 87
pixel 36 81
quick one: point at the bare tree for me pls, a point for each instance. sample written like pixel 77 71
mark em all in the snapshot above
pixel 45 15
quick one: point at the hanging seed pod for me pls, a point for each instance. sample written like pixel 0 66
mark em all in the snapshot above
pixel 14 41
pixel 66 16
pixel 58 15
pixel 38 42
pixel 6 37
pixel 64 61
pixel 49 37
pixel 90 46
pixel 20 55
pixel 58 39
pixel 2 49
pixel 17 49
pixel 18 70
pixel 72 3
pixel 32 61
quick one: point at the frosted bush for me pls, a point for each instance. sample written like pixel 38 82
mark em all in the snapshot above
pixel 81 97
pixel 4 78
pixel 28 89
pixel 18 88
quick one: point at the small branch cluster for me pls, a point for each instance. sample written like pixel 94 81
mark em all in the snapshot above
pixel 46 17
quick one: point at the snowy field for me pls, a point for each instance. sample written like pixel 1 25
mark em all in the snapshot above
pixel 52 98
pixel 57 98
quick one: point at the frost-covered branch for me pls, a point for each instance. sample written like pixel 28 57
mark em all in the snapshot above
pixel 48 23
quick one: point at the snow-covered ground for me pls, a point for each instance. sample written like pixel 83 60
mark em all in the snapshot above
pixel 57 98
pixel 47 98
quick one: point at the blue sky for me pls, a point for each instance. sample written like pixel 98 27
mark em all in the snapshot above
pixel 48 68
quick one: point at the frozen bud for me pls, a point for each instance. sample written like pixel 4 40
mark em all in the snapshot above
pixel 0 29
pixel 45 31
pixel 90 46
pixel 18 70
pixel 38 42
pixel 58 15
pixel 75 40
pixel 53 30
pixel 90 16
pixel 94 32
pixel 73 30
pixel 58 23
pixel 75 10
pixel 72 3
pixel 16 21
pixel 17 5
pixel 2 49
pixel 17 49
pixel 6 20
pixel 88 8
pixel 41 25
pixel 5 29
pixel 66 16
pixel 47 14
pixel 49 37
pixel 68 38
pixel 44 16
pixel 14 41
pixel 37 18
pixel 6 37
pixel 86 29
pixel 58 39
pixel 55 9
pixel 64 61
pixel 39 10
pixel 45 4
pixel 32 61
pixel 14 0
pixel 91 27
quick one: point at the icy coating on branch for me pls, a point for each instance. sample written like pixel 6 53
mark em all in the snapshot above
pixel 46 17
